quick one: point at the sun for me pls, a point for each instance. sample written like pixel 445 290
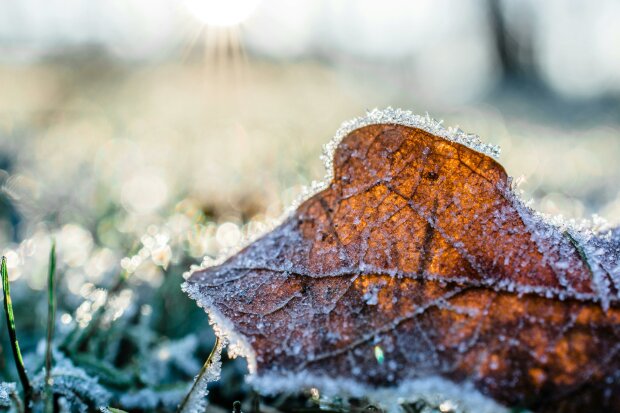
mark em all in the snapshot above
pixel 222 13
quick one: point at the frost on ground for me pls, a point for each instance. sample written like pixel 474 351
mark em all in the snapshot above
pixel 415 270
pixel 7 392
pixel 83 392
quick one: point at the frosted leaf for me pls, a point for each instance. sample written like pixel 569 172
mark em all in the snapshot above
pixel 418 246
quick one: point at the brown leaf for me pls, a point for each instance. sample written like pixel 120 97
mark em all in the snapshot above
pixel 418 261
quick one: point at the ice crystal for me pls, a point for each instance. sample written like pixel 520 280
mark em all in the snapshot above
pixel 7 391
pixel 392 116
pixel 82 391
pixel 197 399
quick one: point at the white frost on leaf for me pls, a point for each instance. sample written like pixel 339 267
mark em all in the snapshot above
pixel 402 117
pixel 393 116
pixel 596 241
pixel 238 345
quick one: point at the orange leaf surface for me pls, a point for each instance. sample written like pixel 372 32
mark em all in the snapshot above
pixel 417 262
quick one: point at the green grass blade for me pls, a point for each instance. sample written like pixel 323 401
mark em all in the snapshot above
pixel 10 322
pixel 51 319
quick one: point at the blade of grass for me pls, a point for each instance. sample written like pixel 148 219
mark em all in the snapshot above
pixel 203 370
pixel 51 319
pixel 10 322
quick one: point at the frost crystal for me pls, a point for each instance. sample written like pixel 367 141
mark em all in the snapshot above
pixel 75 385
pixel 197 399
pixel 238 345
pixel 7 390
pixel 397 116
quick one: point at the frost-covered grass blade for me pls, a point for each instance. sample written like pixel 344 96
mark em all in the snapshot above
pixel 194 401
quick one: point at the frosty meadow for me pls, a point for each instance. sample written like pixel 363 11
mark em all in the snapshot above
pixel 414 270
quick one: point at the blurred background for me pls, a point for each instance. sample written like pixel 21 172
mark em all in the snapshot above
pixel 145 135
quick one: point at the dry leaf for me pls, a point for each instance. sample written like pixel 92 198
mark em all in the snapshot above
pixel 417 262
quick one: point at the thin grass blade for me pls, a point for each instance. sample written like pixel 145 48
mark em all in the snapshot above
pixel 10 322
pixel 51 319
pixel 205 368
